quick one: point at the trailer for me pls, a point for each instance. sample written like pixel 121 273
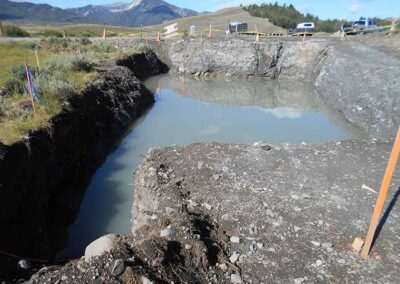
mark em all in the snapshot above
pixel 238 27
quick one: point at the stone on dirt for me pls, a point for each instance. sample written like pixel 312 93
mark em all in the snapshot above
pixel 99 246
pixel 236 279
pixel 118 267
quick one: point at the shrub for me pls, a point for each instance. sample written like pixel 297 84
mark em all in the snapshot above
pixel 104 48
pixel 51 33
pixel 14 31
pixel 140 48
pixel 84 41
pixel 81 63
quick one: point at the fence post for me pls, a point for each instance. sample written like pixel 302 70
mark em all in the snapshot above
pixel 1 30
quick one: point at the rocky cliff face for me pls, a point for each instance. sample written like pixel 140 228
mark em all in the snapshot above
pixel 345 73
pixel 43 177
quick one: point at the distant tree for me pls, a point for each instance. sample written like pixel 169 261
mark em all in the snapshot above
pixel 286 16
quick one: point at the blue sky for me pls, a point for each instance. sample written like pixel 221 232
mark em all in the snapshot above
pixel 343 9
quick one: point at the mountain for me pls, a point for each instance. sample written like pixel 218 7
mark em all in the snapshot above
pixel 134 14
pixel 42 13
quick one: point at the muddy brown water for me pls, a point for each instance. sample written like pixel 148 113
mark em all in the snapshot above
pixel 192 110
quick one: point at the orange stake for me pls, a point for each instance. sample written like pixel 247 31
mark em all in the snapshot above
pixel 382 196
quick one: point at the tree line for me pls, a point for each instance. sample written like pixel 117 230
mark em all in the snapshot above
pixel 286 16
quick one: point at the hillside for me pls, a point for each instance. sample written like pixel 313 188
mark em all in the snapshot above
pixel 220 20
pixel 33 13
pixel 133 14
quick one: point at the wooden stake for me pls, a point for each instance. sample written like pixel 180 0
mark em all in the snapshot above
pixel 104 34
pixel 64 35
pixel 37 59
pixel 1 30
pixel 258 37
pixel 210 32
pixel 304 36
pixel 158 38
pixel 393 27
pixel 382 196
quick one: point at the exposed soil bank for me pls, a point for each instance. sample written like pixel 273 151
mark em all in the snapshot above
pixel 357 79
pixel 295 209
pixel 43 176
pixel 270 214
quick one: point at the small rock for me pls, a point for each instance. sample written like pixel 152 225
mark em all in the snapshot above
pixel 357 244
pixel 270 213
pixel 236 279
pixel 296 229
pixel 100 246
pixel 299 280
pixel 170 210
pixel 327 245
pixel 223 267
pixel 192 203
pixel 342 261
pixel 253 229
pixel 146 280
pixel 64 278
pixel 252 247
pixel 260 245
pixel 188 246
pixel 24 264
pixel 216 176
pixel 118 267
pixel 234 257
pixel 294 196
pixel 235 239
pixel 207 206
pixel 297 209
pixel 167 233
pixel 316 244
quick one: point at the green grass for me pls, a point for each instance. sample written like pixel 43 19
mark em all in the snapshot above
pixel 15 54
pixel 61 76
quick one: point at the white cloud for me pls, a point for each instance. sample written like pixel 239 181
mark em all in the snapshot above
pixel 355 8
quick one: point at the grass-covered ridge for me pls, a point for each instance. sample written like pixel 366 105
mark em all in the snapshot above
pixel 66 67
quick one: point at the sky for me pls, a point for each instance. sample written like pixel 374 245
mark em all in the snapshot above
pixel 341 9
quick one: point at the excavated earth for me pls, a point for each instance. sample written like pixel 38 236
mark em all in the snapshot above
pixel 226 213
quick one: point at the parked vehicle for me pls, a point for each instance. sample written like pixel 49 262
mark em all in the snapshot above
pixel 238 27
pixel 346 28
pixel 308 28
pixel 364 25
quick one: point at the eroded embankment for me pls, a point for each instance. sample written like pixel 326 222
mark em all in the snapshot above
pixel 358 80
pixel 43 176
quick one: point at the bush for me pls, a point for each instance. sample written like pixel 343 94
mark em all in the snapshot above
pixel 140 48
pixel 51 33
pixel 16 83
pixel 84 41
pixel 14 31
pixel 60 42
pixel 104 48
pixel 81 63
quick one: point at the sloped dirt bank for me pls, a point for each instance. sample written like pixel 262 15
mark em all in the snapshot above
pixel 290 212
pixel 43 176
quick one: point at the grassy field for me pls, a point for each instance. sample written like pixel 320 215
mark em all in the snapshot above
pixel 220 20
pixel 15 54
pixel 81 30
pixel 63 74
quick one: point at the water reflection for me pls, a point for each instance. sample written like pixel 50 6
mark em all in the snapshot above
pixel 188 111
